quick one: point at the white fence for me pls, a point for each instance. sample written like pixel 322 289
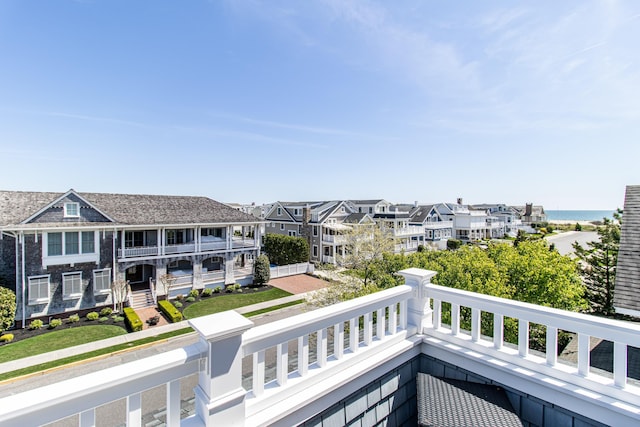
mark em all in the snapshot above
pixel 291 270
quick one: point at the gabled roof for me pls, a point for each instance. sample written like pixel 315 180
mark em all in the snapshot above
pixel 368 202
pixel 420 213
pixel 16 207
pixel 627 286
pixel 358 218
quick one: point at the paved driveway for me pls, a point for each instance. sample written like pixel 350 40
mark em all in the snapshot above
pixel 564 241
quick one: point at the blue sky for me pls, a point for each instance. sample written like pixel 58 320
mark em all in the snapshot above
pixel 252 101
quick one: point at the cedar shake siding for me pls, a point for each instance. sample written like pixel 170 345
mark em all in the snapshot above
pixel 54 247
pixel 627 288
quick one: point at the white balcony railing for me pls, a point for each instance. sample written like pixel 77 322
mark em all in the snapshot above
pixel 347 341
pixel 138 252
pixel 412 230
pixel 334 238
pixel 238 242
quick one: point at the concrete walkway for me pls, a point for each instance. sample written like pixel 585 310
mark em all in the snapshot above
pixel 127 338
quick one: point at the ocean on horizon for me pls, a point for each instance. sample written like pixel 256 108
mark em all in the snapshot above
pixel 568 215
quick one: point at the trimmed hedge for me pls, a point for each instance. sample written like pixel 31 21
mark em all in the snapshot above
pixel 132 320
pixel 170 311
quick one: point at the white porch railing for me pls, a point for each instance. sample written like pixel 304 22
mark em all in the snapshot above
pixel 183 280
pixel 328 259
pixel 213 246
pixel 137 252
pixel 238 242
pixel 212 276
pixel 180 249
pixel 412 230
pixel 348 339
pixel 243 271
pixel 334 238
pixel 289 270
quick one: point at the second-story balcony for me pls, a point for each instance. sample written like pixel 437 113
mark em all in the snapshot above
pixel 205 245
pixel 412 230
pixel 336 239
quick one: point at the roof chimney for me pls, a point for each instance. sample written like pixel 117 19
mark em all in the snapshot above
pixel 459 200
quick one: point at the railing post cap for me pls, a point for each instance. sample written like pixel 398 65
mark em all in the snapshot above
pixel 417 273
pixel 219 326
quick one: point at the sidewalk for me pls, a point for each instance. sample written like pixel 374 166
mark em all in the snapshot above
pixel 127 338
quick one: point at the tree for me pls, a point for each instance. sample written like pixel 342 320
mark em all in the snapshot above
pixel 7 308
pixel 598 265
pixel 364 246
pixel 453 244
pixel 285 250
pixel 120 291
pixel 261 270
pixel 167 280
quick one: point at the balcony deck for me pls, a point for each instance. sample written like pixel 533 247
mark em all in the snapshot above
pixel 305 364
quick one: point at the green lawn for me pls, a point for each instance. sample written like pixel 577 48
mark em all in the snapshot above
pixel 57 340
pixel 231 301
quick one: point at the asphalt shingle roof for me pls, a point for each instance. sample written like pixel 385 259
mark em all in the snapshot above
pixel 627 286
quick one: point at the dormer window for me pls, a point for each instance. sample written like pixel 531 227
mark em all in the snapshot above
pixel 279 211
pixel 71 210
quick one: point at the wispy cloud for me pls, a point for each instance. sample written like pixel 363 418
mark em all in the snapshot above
pixel 248 136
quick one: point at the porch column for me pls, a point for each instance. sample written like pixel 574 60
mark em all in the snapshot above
pixel 122 244
pixel 160 271
pixel 220 398
pixel 418 311
pixel 159 241
pixel 197 275
pixel 229 274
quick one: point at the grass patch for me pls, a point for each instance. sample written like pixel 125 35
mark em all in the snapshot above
pixel 85 356
pixel 275 307
pixel 56 340
pixel 231 301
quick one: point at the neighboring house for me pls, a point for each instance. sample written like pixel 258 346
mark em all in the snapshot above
pixel 61 252
pixel 470 225
pixel 371 207
pixel 626 299
pixel 322 223
pixel 530 214
pixel 436 230
pixel 397 220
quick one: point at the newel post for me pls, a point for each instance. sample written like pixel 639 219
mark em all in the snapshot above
pixel 419 312
pixel 219 393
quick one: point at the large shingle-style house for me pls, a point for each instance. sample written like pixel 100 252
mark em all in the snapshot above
pixel 322 223
pixel 626 299
pixel 436 230
pixel 62 251
pixel 531 214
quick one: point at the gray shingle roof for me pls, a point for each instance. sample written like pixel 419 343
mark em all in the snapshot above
pixel 627 287
pixel 126 209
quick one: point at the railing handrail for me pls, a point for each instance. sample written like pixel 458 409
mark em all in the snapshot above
pixel 611 329
pixel 265 336
pixel 47 404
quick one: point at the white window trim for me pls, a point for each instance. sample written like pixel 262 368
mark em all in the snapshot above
pixel 66 210
pixel 281 226
pixel 97 291
pixel 279 211
pixel 33 301
pixel 68 296
pixel 70 259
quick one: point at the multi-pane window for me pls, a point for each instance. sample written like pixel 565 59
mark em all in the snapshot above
pixel 71 243
pixel 71 210
pixel 101 280
pixel 88 242
pixel 54 244
pixel 38 289
pixel 315 251
pixel 71 285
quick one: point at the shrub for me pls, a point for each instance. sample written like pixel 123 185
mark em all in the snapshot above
pixel 229 289
pixel 180 297
pixel 54 323
pixel 237 286
pixel 103 319
pixel 106 311
pixel 6 338
pixel 193 293
pixel 74 318
pixel 578 227
pixel 132 319
pixel 118 319
pixel 190 299
pixel 284 250
pixel 206 292
pixel 35 324
pixel 217 290
pixel 453 244
pixel 170 311
pixel 93 315
pixel 261 270
pixel 177 304
pixel 239 291
pixel 7 308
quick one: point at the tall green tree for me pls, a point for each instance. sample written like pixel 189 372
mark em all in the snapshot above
pixel 598 265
